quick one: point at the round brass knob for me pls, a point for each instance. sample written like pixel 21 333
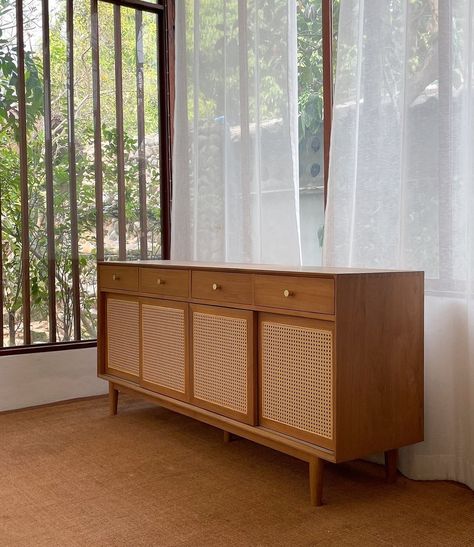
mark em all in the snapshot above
pixel 115 277
pixel 215 286
pixel 287 293
pixel 160 281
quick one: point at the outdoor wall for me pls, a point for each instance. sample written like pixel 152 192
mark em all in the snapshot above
pixel 39 378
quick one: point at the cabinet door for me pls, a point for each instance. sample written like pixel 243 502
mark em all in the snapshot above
pixel 223 361
pixel 122 318
pixel 165 347
pixel 296 377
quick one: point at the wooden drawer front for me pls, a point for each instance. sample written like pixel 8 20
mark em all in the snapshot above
pixel 118 277
pixel 164 347
pixel 222 287
pixel 296 378
pixel 314 294
pixel 122 337
pixel 223 363
pixel 164 281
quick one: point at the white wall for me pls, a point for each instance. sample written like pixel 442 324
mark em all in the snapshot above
pixel 38 378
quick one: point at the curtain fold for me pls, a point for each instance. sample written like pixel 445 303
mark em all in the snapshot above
pixel 401 192
pixel 235 159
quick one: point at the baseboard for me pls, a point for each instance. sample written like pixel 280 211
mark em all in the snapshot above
pixel 54 403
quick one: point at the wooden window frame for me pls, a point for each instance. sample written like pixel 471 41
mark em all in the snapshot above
pixel 328 86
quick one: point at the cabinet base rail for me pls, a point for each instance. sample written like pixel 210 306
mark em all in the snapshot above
pixel 310 454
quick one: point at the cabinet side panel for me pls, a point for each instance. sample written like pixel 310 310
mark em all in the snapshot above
pixel 101 337
pixel 379 353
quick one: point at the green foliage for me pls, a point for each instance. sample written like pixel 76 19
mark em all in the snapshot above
pixel 310 64
pixel 219 39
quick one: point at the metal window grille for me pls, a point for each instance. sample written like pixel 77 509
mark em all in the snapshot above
pixel 46 299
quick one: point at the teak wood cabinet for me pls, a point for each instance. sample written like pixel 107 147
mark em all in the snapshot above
pixel 323 364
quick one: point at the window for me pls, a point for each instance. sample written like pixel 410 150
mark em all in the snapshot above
pixel 317 34
pixel 84 154
pixel 85 150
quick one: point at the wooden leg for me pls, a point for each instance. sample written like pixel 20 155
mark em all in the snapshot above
pixel 316 468
pixel 391 460
pixel 229 437
pixel 113 399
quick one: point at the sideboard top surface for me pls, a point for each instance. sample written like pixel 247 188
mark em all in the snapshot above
pixel 255 268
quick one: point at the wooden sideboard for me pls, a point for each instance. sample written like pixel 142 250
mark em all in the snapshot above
pixel 323 364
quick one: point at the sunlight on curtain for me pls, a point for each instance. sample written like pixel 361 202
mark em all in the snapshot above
pixel 401 191
pixel 235 161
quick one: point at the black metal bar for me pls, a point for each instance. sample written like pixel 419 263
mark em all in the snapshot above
pixel 165 151
pixel 119 125
pixel 25 236
pixel 76 304
pixel 99 199
pixel 48 159
pixel 141 133
pixel 327 37
pixel 137 4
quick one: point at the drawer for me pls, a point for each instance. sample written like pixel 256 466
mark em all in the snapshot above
pixel 313 294
pixel 164 281
pixel 222 287
pixel 118 277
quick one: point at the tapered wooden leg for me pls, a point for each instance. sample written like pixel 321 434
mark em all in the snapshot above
pixel 113 399
pixel 391 460
pixel 316 468
pixel 229 437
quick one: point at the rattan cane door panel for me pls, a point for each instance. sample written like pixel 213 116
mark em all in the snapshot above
pixel 123 347
pixel 164 364
pixel 296 367
pixel 223 361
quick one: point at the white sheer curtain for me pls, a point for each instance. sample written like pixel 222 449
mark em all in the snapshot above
pixel 235 161
pixel 402 191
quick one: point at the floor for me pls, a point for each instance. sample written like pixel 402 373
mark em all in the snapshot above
pixel 70 475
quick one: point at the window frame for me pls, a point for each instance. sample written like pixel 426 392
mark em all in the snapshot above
pixel 164 11
pixel 328 87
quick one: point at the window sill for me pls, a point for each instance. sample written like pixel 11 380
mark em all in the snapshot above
pixel 41 348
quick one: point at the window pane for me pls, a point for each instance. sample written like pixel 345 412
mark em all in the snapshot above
pixel 10 180
pixel 84 132
pixel 138 106
pixel 61 173
pixel 152 137
pixel 109 129
pixel 311 129
pixel 130 131
pixel 38 270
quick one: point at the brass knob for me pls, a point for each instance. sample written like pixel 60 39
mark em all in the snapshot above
pixel 160 281
pixel 287 293
pixel 215 286
pixel 115 277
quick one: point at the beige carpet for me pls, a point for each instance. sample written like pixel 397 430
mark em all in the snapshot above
pixel 70 475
